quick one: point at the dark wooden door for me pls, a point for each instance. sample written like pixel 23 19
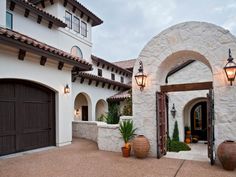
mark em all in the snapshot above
pixel 85 113
pixel 210 127
pixel 161 124
pixel 27 117
pixel 199 120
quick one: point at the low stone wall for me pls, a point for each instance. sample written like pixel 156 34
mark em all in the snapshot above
pixel 85 129
pixel 109 138
pixel 106 135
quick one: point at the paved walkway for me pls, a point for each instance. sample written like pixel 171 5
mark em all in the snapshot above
pixel 198 152
pixel 82 159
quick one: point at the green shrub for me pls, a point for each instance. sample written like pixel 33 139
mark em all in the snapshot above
pixel 102 118
pixel 127 110
pixel 186 128
pixel 113 116
pixel 176 132
pixel 175 146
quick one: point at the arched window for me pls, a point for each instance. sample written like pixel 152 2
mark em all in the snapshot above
pixel 76 51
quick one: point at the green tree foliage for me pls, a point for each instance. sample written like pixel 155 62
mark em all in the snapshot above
pixel 113 116
pixel 127 110
pixel 176 132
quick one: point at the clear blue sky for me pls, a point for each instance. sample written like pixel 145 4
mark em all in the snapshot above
pixel 130 24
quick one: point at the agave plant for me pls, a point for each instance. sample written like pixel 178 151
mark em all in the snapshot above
pixel 127 131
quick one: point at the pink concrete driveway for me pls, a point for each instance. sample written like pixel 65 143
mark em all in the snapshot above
pixel 83 159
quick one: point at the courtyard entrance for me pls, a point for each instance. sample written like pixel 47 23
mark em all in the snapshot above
pixel 202 116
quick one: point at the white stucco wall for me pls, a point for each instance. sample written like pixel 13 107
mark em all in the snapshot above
pixel 68 38
pixel 193 73
pixel 62 38
pixel 196 40
pixel 49 76
pixel 107 74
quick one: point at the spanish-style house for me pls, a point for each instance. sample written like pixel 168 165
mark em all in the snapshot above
pixel 52 87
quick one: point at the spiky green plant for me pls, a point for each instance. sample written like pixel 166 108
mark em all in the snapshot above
pixel 176 132
pixel 127 130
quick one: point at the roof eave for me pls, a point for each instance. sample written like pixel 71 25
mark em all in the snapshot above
pixel 97 59
pixel 41 52
pixel 49 17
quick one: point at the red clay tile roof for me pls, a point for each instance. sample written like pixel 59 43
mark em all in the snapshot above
pixel 103 61
pixel 102 79
pixel 16 39
pixel 121 96
pixel 126 64
pixel 30 6
pixel 96 20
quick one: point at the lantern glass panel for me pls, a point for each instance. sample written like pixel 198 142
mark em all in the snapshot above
pixel 230 70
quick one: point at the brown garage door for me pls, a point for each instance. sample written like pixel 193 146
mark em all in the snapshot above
pixel 27 117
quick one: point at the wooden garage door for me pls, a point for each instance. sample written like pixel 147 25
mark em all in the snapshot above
pixel 27 117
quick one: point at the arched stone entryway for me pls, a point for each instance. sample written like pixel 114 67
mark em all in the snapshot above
pixel 82 107
pixel 200 41
pixel 101 108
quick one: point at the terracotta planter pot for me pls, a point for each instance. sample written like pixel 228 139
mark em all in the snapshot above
pixel 188 132
pixel 187 140
pixel 141 146
pixel 227 154
pixel 126 151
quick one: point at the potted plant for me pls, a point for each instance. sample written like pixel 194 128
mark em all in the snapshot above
pixel 187 130
pixel 127 132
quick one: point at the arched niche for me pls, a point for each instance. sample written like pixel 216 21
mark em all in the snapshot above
pixel 82 107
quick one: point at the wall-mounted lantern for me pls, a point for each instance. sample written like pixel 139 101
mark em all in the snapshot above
pixel 173 111
pixel 76 112
pixel 140 77
pixel 67 89
pixel 230 68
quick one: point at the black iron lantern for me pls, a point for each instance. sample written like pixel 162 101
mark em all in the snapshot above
pixel 67 89
pixel 140 77
pixel 230 68
pixel 173 111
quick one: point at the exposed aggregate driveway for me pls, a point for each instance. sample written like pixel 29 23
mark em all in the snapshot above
pixel 83 159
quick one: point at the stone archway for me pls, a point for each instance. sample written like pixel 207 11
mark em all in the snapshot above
pixel 101 108
pixel 200 41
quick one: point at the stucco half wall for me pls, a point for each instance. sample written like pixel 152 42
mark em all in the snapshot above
pixel 201 41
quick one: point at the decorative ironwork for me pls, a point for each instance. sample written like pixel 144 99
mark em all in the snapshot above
pixel 161 124
pixel 210 127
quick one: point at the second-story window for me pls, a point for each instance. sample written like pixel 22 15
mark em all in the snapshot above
pixel 83 29
pixel 76 24
pixel 112 76
pixel 9 20
pixel 122 79
pixel 100 72
pixel 68 19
